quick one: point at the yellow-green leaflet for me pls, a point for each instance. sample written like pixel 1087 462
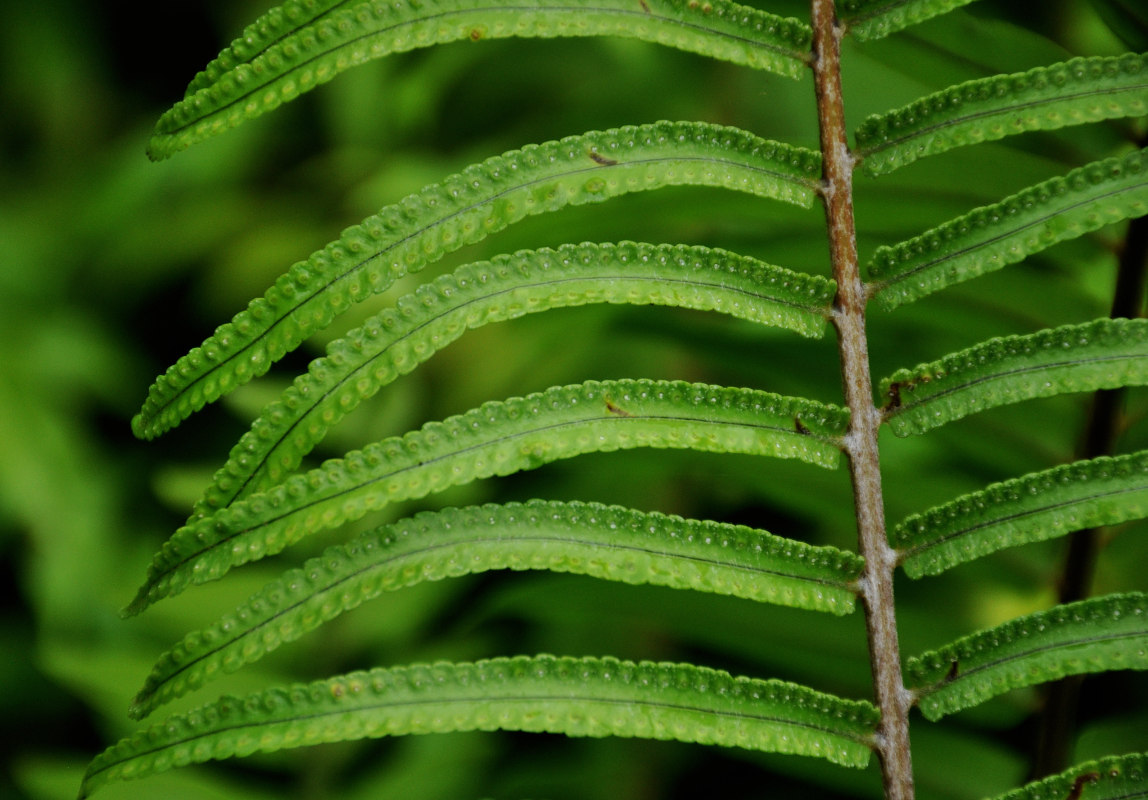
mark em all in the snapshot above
pixel 293 49
pixel 497 438
pixel 399 339
pixel 461 210
pixel 1097 635
pixel 1035 507
pixel 1046 98
pixel 1111 778
pixel 608 542
pixel 574 696
pixel 1103 354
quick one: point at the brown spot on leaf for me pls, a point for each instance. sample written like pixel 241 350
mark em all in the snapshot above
pixel 645 6
pixel 953 670
pixel 1079 783
pixel 598 158
pixel 475 34
pixel 613 409
pixel 799 426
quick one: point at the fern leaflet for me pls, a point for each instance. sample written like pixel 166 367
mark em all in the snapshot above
pixel 1095 635
pixel 287 56
pixel 1045 98
pixel 1103 354
pixel 874 19
pixel 1043 505
pixel 1111 778
pixel 574 696
pixel 1028 222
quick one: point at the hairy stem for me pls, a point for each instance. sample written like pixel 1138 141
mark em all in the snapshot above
pixel 865 420
pixel 1056 722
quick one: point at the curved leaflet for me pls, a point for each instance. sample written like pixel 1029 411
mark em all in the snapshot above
pixel 1110 778
pixel 291 54
pixel 1010 231
pixel 1070 93
pixel 1105 633
pixel 1103 354
pixel 607 542
pixel 461 210
pixel 1043 505
pixel 874 19
pixel 495 439
pixel 574 696
pixel 397 340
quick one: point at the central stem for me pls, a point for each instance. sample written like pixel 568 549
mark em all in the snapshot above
pixel 865 419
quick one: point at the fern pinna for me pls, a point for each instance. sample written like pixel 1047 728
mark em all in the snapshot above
pixel 265 499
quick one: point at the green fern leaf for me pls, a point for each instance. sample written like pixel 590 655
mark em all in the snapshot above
pixel 464 209
pixel 1103 354
pixel 1097 635
pixel 1071 93
pixel 397 340
pixel 289 56
pixel 607 542
pixel 1043 505
pixel 495 439
pixel 874 19
pixel 575 696
pixel 992 237
pixel 1111 778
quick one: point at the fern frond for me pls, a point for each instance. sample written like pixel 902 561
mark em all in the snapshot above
pixel 397 340
pixel 495 439
pixel 1111 778
pixel 1071 93
pixel 289 56
pixel 874 19
pixel 1103 354
pixel 461 210
pixel 1010 231
pixel 607 542
pixel 575 696
pixel 1105 633
pixel 1032 508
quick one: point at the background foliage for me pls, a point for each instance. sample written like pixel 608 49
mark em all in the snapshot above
pixel 110 268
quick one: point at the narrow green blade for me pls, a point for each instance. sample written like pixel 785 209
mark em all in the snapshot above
pixel 574 696
pixel 1104 354
pixel 1010 231
pixel 293 49
pixel 874 19
pixel 1111 778
pixel 1106 633
pixel 1043 505
pixel 1071 93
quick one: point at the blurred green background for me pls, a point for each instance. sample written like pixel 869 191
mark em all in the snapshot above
pixel 112 267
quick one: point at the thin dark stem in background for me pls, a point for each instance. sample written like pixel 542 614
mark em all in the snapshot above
pixel 1056 722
